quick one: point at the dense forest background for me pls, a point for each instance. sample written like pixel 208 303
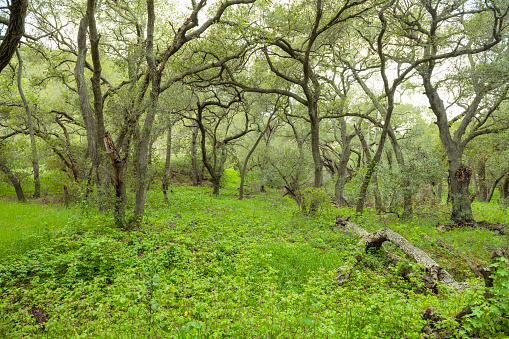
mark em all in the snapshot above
pixel 385 103
pixel 383 110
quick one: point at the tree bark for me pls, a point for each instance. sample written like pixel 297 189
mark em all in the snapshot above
pixel 439 191
pixel 504 188
pixel 14 181
pixel 215 168
pixel 386 111
pixel 483 187
pixel 84 98
pixel 459 175
pixel 461 205
pixel 315 142
pixel 376 239
pixel 33 143
pixel 406 181
pixel 370 176
pixel 495 183
pixel 342 165
pixel 72 164
pixel 194 167
pixel 15 30
pixel 167 163
pixel 118 182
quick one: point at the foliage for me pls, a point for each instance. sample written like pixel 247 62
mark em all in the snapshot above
pixel 314 200
pixel 206 267
pixel 491 318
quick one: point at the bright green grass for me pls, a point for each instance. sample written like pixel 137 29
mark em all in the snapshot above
pixel 216 267
pixel 25 225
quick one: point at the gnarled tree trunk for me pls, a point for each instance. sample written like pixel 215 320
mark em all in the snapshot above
pixel 33 143
pixel 459 177
pixel 15 30
pixel 14 181
pixel 117 164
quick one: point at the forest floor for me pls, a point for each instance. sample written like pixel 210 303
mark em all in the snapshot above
pixel 217 267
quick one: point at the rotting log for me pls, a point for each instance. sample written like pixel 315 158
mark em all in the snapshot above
pixel 434 271
pixel 501 228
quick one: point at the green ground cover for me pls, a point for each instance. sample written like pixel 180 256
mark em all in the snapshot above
pixel 216 267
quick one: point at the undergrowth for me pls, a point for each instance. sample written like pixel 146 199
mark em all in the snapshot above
pixel 216 267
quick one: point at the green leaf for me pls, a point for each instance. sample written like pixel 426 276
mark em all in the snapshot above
pixel 307 321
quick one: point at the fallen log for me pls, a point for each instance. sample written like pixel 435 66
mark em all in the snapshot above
pixel 501 228
pixel 435 272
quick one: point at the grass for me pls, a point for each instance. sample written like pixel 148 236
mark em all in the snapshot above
pixel 23 225
pixel 217 267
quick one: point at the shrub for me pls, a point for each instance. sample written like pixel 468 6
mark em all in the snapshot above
pixel 314 200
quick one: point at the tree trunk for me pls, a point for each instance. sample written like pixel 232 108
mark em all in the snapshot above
pixel 33 143
pixel 315 144
pixel 459 177
pixel 495 183
pixel 14 181
pixel 342 165
pixel 376 193
pixel 376 239
pixel 483 187
pixel 215 170
pixel 73 166
pixel 84 100
pixel 504 188
pixel 216 185
pixel 248 156
pixel 341 179
pixel 475 186
pixel 142 146
pixel 167 163
pixel 142 153
pixel 371 164
pixel 118 181
pixel 194 167
pixel 439 191
pixel 407 190
pixel 378 155
pixel 15 30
